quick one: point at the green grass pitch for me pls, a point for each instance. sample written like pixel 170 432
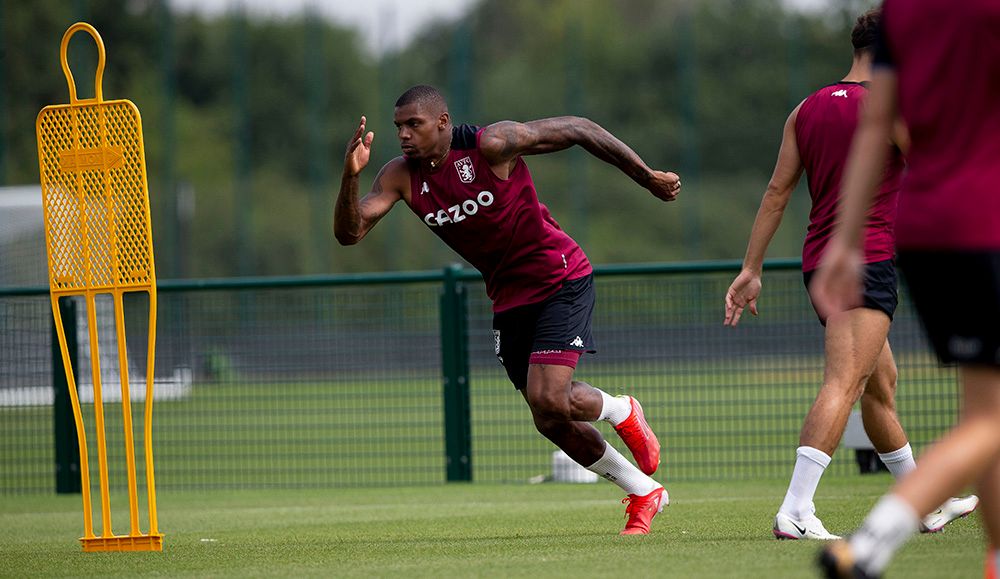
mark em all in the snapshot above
pixel 713 529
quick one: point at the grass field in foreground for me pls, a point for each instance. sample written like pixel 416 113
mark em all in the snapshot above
pixel 468 530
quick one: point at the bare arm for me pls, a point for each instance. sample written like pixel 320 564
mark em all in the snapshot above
pixel 353 218
pixel 837 285
pixel 745 289
pixel 787 172
pixel 502 143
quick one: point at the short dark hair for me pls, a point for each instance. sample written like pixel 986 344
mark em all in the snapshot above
pixel 866 30
pixel 422 94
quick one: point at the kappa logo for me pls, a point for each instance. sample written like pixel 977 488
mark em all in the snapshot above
pixel 577 342
pixel 840 93
pixel 465 170
pixel 965 348
pixel 425 188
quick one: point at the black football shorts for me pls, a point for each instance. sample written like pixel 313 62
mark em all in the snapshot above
pixel 957 296
pixel 880 291
pixel 560 322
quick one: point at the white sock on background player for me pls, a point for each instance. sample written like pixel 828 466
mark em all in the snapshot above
pixel 809 466
pixel 900 461
pixel 617 469
pixel 616 408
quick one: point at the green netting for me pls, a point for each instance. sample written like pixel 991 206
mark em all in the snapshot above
pixel 318 386
pixel 725 402
pixel 27 451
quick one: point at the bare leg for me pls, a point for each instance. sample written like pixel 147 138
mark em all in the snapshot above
pixel 854 342
pixel 878 405
pixel 988 489
pixel 968 454
pixel 563 408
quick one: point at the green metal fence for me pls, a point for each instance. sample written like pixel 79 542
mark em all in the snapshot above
pixel 391 379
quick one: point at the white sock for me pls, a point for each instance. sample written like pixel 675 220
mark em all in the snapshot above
pixel 899 462
pixel 617 469
pixel 616 408
pixel 887 527
pixel 809 466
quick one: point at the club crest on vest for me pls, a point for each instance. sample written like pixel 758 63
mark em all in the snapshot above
pixel 465 171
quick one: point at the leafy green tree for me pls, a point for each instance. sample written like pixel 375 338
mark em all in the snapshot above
pixel 252 115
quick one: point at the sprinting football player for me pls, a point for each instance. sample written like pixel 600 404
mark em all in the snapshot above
pixel 937 65
pixel 859 360
pixel 471 187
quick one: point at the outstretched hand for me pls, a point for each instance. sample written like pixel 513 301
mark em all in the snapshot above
pixel 359 150
pixel 743 292
pixel 664 185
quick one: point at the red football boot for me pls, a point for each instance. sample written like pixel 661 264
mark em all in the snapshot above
pixel 639 438
pixel 641 510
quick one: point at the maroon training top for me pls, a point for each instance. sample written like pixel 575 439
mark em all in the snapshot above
pixel 946 56
pixel 824 128
pixel 497 225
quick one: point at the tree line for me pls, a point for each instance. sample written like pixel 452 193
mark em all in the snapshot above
pixel 245 119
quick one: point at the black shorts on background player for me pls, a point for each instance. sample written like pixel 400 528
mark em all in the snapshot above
pixel 957 295
pixel 881 287
pixel 560 322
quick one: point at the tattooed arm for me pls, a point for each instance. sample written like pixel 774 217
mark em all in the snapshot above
pixel 353 218
pixel 502 143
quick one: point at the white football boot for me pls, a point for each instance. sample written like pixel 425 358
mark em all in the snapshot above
pixel 809 527
pixel 953 508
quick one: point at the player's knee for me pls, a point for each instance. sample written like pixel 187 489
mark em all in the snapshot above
pixel 549 404
pixel 847 391
pixel 881 387
pixel 549 427
pixel 874 399
pixel 889 378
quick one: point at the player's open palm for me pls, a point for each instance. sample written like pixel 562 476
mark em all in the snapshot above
pixel 743 292
pixel 359 150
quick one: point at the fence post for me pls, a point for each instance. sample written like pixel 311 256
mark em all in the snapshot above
pixel 67 446
pixel 455 367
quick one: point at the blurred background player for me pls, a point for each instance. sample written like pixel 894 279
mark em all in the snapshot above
pixel 937 65
pixel 859 360
pixel 473 189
